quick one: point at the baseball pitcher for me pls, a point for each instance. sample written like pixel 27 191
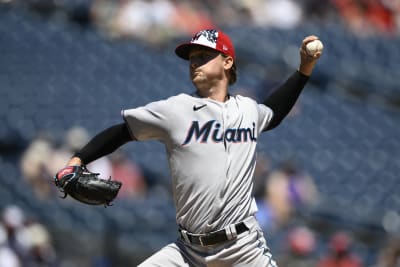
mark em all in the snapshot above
pixel 210 138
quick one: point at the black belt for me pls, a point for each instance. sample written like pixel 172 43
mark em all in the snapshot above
pixel 212 238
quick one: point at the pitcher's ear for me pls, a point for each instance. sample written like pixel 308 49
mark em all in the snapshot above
pixel 228 62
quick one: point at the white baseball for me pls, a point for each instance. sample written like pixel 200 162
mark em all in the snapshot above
pixel 314 47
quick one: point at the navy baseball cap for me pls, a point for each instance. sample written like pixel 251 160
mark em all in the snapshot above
pixel 211 38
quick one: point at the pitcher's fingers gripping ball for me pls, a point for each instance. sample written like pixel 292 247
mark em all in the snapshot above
pixel 85 186
pixel 314 47
pixel 311 48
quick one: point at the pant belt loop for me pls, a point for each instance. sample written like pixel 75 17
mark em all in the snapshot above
pixel 185 236
pixel 230 231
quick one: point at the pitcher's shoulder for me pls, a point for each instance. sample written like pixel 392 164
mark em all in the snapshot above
pixel 179 97
pixel 245 99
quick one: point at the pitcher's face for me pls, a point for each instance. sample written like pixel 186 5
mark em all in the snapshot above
pixel 206 66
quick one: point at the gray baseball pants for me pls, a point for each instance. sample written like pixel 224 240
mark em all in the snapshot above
pixel 248 249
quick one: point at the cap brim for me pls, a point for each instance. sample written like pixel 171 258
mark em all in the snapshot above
pixel 183 50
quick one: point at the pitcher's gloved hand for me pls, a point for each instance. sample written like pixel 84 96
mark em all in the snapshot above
pixel 85 186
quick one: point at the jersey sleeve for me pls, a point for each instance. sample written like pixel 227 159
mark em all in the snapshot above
pixel 265 115
pixel 149 122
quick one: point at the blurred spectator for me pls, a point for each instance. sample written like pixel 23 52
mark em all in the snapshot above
pixel 77 11
pixel 237 12
pixel 23 242
pixel 37 245
pixel 8 258
pixel 45 8
pixel 317 10
pixel 301 243
pixel 75 138
pixel 367 17
pixel 102 13
pixel 284 14
pixel 394 7
pixel 157 21
pixel 43 158
pixel 148 20
pixel 13 219
pixel 34 166
pixel 379 16
pixel 389 256
pixel 130 174
pixel 190 17
pixel 287 190
pixel 152 21
pixel 340 253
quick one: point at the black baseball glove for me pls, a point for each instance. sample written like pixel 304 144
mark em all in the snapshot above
pixel 85 186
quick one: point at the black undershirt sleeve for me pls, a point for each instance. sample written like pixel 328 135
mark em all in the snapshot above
pixel 283 99
pixel 104 143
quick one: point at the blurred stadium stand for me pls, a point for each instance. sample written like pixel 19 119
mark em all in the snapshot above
pixel 56 75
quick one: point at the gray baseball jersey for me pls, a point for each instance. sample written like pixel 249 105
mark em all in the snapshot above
pixel 211 148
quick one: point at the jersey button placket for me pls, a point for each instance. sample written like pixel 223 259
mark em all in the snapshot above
pixel 225 122
pixel 226 113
